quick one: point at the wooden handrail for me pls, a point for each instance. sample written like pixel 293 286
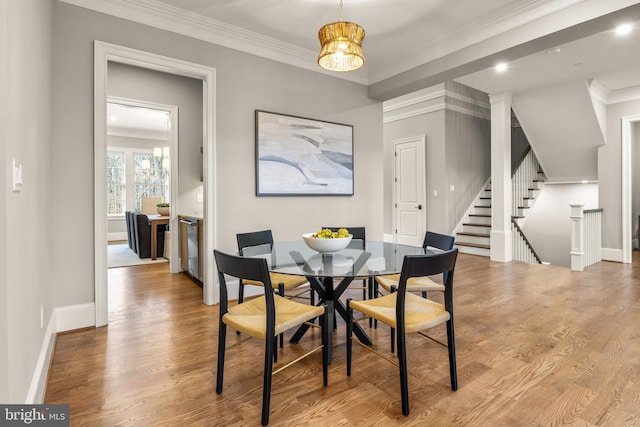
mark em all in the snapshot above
pixel 519 230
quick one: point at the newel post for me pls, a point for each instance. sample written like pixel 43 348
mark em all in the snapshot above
pixel 577 237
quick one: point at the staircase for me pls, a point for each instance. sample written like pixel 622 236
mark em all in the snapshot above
pixel 473 234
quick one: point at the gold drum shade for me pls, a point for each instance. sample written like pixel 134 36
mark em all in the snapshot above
pixel 341 46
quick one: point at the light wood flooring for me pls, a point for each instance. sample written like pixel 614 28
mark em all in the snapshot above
pixel 537 346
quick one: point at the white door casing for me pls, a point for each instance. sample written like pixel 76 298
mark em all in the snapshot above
pixel 103 53
pixel 410 219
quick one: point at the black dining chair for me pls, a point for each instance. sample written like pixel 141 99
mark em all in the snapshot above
pixel 408 313
pixel 437 241
pixel 359 241
pixel 263 317
pixel 261 243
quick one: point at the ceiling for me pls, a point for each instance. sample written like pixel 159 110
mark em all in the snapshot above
pixel 413 44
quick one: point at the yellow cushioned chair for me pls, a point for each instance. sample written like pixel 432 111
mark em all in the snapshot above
pixel 407 313
pixel 264 317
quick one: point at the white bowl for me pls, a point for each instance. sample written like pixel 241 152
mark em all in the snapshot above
pixel 326 245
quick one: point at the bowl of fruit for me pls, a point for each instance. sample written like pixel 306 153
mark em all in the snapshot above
pixel 327 241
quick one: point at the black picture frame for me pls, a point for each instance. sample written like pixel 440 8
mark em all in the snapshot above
pixel 297 156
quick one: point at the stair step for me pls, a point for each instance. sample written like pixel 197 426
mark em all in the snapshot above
pixel 485 198
pixel 473 224
pixel 481 215
pixel 473 245
pixel 481 206
pixel 473 234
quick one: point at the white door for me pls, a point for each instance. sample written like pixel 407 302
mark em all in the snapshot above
pixel 409 184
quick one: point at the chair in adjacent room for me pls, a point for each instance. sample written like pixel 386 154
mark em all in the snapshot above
pixel 142 235
pixel 261 243
pixel 131 239
pixel 263 317
pixel 408 313
pixel 149 204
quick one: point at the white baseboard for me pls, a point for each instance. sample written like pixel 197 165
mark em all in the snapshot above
pixel 609 254
pixel 114 237
pixel 75 317
pixel 62 319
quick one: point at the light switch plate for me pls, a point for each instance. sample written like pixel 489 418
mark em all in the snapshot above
pixel 17 176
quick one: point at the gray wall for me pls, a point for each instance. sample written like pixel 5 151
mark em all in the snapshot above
pixel 26 217
pixel 432 126
pixel 244 83
pixel 548 224
pixel 610 176
pixel 458 153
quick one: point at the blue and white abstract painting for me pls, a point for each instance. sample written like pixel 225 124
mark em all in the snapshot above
pixel 297 156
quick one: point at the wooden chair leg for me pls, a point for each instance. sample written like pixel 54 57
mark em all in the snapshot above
pixel 326 342
pixel 270 344
pixel 404 380
pixel 392 331
pixel 240 297
pixel 222 338
pixel 451 345
pixel 349 335
pixel 281 292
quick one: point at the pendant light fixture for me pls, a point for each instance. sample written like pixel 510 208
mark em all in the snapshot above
pixel 341 45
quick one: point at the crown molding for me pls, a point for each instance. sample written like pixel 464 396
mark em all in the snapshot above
pixel 411 104
pixel 624 95
pixel 170 18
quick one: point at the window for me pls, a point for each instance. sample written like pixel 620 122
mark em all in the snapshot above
pixel 153 181
pixel 128 181
pixel 116 183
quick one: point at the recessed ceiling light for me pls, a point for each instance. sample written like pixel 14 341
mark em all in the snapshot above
pixel 501 67
pixel 623 29
pixel 554 51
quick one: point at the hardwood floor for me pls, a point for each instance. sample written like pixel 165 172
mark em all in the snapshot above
pixel 537 346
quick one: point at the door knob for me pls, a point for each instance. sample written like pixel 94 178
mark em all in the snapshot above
pixel 419 207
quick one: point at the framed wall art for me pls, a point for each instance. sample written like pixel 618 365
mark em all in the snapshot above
pixel 302 157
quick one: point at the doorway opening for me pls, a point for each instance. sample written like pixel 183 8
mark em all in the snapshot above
pixel 141 139
pixel 103 54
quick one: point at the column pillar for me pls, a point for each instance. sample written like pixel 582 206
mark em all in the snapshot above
pixel 501 237
pixel 577 237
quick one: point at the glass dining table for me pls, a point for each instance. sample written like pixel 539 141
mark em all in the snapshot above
pixel 330 274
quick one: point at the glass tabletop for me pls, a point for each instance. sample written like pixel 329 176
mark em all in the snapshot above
pixel 376 258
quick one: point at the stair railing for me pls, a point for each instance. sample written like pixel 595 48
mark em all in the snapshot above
pixel 523 178
pixel 522 249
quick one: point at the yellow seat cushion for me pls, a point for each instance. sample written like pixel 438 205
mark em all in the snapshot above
pixel 290 281
pixel 250 317
pixel 414 284
pixel 420 313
